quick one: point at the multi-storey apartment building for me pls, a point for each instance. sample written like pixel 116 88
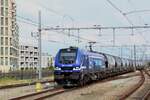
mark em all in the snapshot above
pixel 9 36
pixel 28 56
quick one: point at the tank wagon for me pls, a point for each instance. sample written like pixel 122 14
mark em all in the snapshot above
pixel 74 66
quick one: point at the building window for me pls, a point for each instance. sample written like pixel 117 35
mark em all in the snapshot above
pixel 6 50
pixel 10 41
pixel 2 51
pixel 6 21
pixel 6 11
pixel 6 41
pixel 6 31
pixel 2 11
pixel 1 60
pixel 6 60
pixel 2 2
pixel 22 63
pixel 2 31
pixel 6 2
pixel 2 41
pixel 2 21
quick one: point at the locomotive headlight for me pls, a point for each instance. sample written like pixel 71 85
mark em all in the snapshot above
pixel 57 68
pixel 76 68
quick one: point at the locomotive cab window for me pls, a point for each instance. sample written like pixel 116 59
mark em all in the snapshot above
pixel 67 56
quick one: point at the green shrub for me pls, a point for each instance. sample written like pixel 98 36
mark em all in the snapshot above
pixel 51 68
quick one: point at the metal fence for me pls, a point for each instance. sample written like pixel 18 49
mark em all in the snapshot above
pixel 26 74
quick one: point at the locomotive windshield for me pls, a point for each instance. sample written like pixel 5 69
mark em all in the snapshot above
pixel 67 56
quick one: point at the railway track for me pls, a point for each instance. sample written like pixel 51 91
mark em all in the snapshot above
pixel 133 89
pixel 56 91
pixel 23 84
pixel 40 95
pixel 147 95
pixel 146 92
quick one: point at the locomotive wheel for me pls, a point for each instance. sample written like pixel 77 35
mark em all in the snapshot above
pixel 89 79
pixel 83 81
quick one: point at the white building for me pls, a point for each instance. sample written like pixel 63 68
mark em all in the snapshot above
pixel 9 38
pixel 47 60
pixel 28 56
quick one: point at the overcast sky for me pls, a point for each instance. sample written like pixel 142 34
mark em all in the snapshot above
pixel 83 13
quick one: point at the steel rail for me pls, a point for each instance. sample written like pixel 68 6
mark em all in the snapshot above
pixel 56 91
pixel 133 89
pixel 147 95
pixel 87 85
pixel 28 96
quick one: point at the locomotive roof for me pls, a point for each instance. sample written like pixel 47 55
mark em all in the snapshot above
pixel 95 52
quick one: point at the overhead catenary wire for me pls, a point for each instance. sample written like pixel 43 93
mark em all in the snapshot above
pixel 128 47
pixel 72 35
pixel 27 19
pixel 136 11
pixel 140 18
pixel 63 16
pixel 59 42
pixel 57 13
pixel 119 10
pixel 33 23
pixel 133 6
pixel 129 21
pixel 27 22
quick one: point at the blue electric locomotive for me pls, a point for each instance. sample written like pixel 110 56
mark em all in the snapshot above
pixel 74 66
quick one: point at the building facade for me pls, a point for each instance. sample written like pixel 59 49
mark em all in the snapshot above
pixel 28 56
pixel 9 36
pixel 47 60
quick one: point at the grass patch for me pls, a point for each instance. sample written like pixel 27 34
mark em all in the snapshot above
pixel 51 77
pixel 10 81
